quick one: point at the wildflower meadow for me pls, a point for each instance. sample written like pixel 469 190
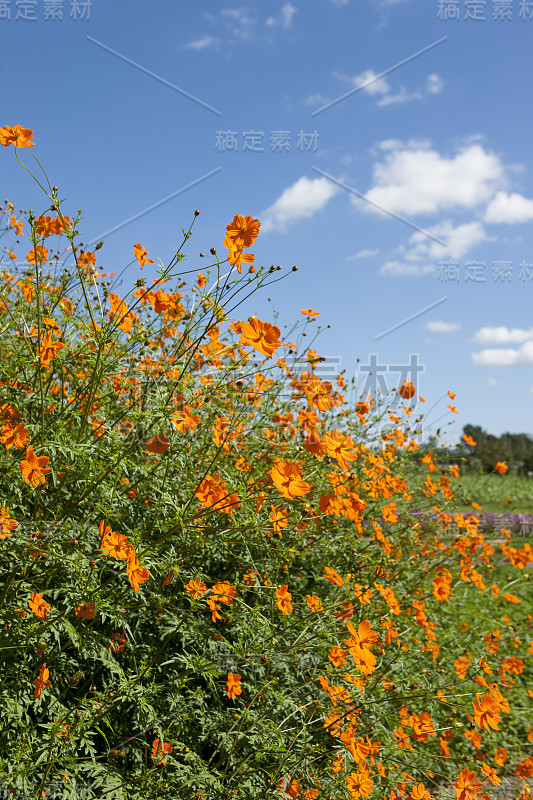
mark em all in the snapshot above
pixel 215 579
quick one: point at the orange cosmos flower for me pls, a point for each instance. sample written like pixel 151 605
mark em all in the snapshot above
pixel 39 606
pixel 419 792
pixel 486 712
pixel 16 135
pixel 17 224
pixel 184 420
pixel 195 588
pixel 117 545
pixel 309 312
pixel 14 435
pixel 136 573
pixel 314 603
pixel 117 642
pixel 42 681
pixel 407 390
pixel 284 598
pixel 141 254
pixel 48 349
pixel 201 280
pixel 338 446
pixel 37 255
pixel 233 686
pixel 279 519
pixel 469 440
pixel 318 393
pixel 359 784
pixel 500 467
pixel 491 774
pixel 262 336
pixel 34 467
pixel 6 523
pixel 85 611
pixel 223 593
pixel 337 656
pixel 467 787
pixel 235 255
pixel 158 444
pixel 333 576
pixel 159 751
pixel 243 230
pixel 287 479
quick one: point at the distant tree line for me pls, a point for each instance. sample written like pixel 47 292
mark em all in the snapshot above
pixel 516 449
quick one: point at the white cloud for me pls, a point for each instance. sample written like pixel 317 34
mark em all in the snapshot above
pixel 437 326
pixel 492 334
pixel 301 200
pixel 397 269
pixel 369 81
pixel 403 96
pixel 286 14
pixel 239 22
pixel 505 357
pixel 202 43
pixel 492 382
pixel 413 179
pixel 434 84
pixel 316 100
pixel 362 254
pixel 459 241
pixel 421 255
pixel 509 208
pixel 340 3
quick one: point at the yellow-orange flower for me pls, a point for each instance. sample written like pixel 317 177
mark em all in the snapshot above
pixel 39 606
pixel 262 336
pixel 34 467
pixel 117 545
pixel 141 254
pixel 467 787
pixel 279 519
pixel 37 255
pixel 486 712
pixel 287 479
pixel 359 784
pixel 491 774
pixel 159 444
pixel 314 603
pixel 42 681
pixel 136 573
pixel 195 588
pixel 235 255
pixel 6 523
pixel 14 435
pixel 48 349
pixel 117 642
pixel 284 598
pixel 159 752
pixel 243 230
pixel 500 467
pixel 85 611
pixel 407 390
pixel 233 686
pixel 16 135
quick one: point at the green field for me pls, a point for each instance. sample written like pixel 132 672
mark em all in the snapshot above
pixel 493 492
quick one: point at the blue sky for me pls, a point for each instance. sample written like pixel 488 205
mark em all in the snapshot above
pixel 411 198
